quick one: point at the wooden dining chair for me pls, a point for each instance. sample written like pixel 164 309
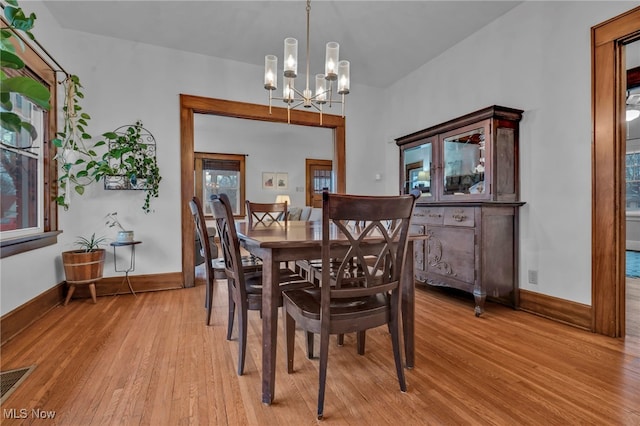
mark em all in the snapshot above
pixel 245 290
pixel 345 303
pixel 266 213
pixel 215 266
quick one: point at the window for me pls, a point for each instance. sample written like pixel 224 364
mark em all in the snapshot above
pixel 27 170
pixel 633 180
pixel 221 173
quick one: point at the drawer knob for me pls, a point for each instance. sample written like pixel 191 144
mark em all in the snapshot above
pixel 434 215
pixel 459 217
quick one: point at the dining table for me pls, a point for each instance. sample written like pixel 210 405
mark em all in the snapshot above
pixel 288 241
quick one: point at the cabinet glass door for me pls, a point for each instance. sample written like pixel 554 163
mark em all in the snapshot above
pixel 418 168
pixel 464 164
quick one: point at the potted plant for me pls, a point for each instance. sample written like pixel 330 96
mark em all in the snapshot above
pixel 130 161
pixel 124 236
pixel 84 265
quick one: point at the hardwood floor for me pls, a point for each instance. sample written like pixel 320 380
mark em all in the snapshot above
pixel 151 360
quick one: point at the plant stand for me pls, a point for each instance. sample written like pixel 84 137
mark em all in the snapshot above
pixel 132 262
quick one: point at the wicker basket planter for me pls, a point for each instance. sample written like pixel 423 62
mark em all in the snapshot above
pixel 82 268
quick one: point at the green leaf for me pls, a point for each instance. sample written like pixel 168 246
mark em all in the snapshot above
pixel 57 142
pixel 33 132
pixel 82 173
pixel 100 143
pixel 11 60
pixel 5 101
pixel 35 91
pixel 17 18
pixel 10 121
pixel 85 116
pixel 79 189
pixel 110 135
pixel 6 34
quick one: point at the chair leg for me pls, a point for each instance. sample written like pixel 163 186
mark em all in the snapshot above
pixel 289 334
pixel 209 302
pixel 232 314
pixel 310 337
pixel 242 339
pixel 340 339
pixel 324 358
pixel 361 338
pixel 397 345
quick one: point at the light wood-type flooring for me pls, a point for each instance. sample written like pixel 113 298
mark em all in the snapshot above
pixel 150 360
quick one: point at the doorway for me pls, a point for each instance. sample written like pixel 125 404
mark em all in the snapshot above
pixel 608 41
pixel 190 105
pixel 319 175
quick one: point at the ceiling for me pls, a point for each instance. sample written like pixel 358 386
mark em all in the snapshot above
pixel 383 40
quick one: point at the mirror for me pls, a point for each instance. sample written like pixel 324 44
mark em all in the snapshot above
pixel 418 163
pixel 463 161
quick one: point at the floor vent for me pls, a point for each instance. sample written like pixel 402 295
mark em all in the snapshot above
pixel 11 379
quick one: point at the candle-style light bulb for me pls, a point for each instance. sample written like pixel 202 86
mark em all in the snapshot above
pixel 290 57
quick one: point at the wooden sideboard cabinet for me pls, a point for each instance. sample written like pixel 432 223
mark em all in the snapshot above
pixel 467 172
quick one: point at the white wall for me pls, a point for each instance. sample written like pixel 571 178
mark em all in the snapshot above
pixel 536 58
pixel 123 82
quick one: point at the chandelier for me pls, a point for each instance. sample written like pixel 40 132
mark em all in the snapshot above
pixel 336 73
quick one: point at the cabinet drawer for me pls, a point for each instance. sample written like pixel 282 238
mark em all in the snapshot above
pixel 459 216
pixel 428 215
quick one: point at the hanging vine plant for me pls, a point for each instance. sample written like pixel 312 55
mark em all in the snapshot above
pixel 78 162
pixel 130 161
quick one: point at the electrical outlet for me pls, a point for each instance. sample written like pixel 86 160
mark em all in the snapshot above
pixel 533 276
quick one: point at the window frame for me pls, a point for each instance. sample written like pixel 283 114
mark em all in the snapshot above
pixel 36 65
pixel 240 158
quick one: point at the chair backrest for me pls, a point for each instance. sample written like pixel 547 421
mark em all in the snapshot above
pixel 229 242
pixel 364 219
pixel 203 235
pixel 266 213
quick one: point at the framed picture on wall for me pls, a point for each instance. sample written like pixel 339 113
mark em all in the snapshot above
pixel 282 181
pixel 268 180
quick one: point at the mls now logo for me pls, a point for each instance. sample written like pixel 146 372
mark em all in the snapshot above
pixel 23 413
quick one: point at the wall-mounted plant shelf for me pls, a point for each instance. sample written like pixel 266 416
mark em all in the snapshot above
pixel 129 148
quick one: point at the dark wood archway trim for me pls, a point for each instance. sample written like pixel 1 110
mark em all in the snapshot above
pixel 190 105
pixel 608 221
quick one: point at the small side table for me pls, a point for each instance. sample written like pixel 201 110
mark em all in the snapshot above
pixel 132 263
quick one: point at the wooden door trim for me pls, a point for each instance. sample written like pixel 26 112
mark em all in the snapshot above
pixel 189 105
pixel 308 162
pixel 608 224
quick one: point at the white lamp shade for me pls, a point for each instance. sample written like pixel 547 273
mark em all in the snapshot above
pixel 288 92
pixel 270 72
pixel 331 61
pixel 290 57
pixel 343 77
pixel 321 89
pixel 632 114
pixel 283 199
